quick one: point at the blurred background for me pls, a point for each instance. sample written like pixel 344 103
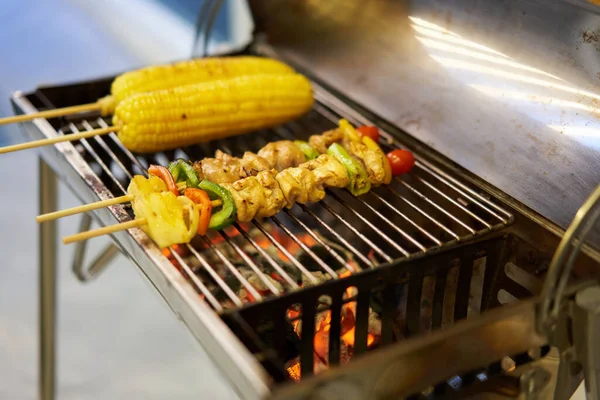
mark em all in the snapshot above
pixel 116 338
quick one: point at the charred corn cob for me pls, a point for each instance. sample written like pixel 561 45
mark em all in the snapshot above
pixel 187 72
pixel 190 114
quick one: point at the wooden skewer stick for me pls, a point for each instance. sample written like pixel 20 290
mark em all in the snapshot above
pixel 94 206
pixel 58 139
pixel 105 230
pixel 58 112
pixel 123 226
pixel 84 208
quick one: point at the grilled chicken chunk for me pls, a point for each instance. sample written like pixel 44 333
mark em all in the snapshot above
pixel 328 171
pixel 372 160
pixel 322 142
pixel 253 164
pixel 282 154
pixel 223 168
pixel 274 199
pixel 248 196
pixel 299 186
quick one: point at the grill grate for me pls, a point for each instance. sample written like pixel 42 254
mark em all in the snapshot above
pixel 420 213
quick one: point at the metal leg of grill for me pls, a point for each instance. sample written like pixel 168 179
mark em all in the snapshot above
pixel 47 266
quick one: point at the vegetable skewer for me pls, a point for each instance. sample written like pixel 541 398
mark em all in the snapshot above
pixel 166 76
pixel 260 195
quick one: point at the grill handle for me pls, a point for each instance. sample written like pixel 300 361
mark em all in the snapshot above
pixel 572 322
pixel 561 266
pixel 96 266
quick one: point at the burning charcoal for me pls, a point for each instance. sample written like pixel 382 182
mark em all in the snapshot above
pixel 374 323
pixel 292 341
pixel 322 253
pixel 233 283
pixel 324 300
pixel 319 276
pixel 257 282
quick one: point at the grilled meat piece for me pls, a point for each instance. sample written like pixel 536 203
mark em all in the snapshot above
pixel 274 199
pixel 299 186
pixel 372 160
pixel 282 154
pixel 248 195
pixel 328 171
pixel 253 164
pixel 223 168
pixel 322 142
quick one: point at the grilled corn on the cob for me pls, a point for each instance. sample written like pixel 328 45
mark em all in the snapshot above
pixel 190 114
pixel 169 76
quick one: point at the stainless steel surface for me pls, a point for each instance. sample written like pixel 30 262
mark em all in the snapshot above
pixel 506 89
pixel 404 370
pixel 47 293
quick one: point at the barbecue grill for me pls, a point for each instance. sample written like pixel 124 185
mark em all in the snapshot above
pixel 432 287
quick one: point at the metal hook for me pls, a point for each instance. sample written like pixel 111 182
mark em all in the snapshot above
pixel 560 270
pixel 204 24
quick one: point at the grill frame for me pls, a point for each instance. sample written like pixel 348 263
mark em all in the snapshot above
pixel 245 373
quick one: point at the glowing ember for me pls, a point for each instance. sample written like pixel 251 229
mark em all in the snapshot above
pixel 294 372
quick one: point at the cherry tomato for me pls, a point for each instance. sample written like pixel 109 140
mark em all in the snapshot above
pixel 401 161
pixel 370 131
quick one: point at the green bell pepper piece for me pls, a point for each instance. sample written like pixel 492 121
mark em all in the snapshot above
pixel 359 180
pixel 309 152
pixel 182 171
pixel 226 215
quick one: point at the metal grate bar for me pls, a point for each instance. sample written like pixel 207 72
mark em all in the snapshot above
pixel 433 203
pixel 429 185
pixel 251 264
pixel 233 269
pixel 85 143
pixel 423 213
pixel 371 225
pixel 267 257
pixel 438 174
pixel 393 226
pixel 356 232
pixel 337 236
pixel 213 274
pixel 410 221
pixel 339 258
pixel 124 149
pixel 203 289
pixel 304 247
pixel 292 259
pixel 110 153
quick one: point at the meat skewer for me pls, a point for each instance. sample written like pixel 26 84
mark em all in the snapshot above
pixel 247 193
pixel 168 76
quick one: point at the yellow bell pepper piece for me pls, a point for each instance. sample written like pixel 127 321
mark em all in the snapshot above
pixel 372 145
pixel 349 131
